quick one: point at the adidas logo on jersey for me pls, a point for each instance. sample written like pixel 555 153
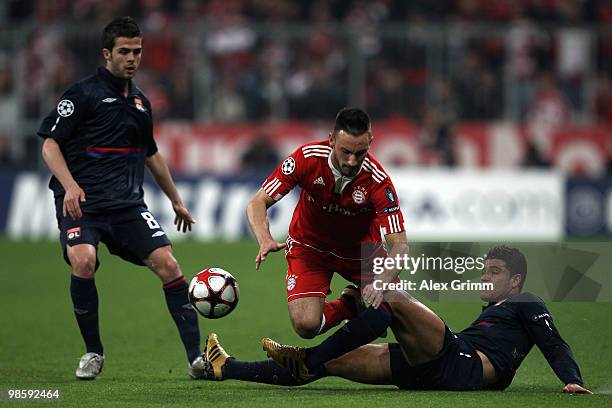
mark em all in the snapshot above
pixel 319 180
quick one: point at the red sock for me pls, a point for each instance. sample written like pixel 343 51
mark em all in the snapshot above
pixel 336 311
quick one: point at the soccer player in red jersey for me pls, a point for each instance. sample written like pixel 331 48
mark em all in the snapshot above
pixel 347 200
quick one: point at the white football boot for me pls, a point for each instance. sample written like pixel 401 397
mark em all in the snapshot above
pixel 200 369
pixel 90 365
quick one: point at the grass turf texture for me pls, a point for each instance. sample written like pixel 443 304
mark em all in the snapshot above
pixel 146 365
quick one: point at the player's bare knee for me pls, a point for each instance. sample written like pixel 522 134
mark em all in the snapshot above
pixel 83 266
pixel 169 269
pixel 307 328
pixel 172 267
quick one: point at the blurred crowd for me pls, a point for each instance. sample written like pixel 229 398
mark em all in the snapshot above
pixel 435 62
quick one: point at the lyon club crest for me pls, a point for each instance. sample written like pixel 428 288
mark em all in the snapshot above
pixel 139 105
pixel 359 195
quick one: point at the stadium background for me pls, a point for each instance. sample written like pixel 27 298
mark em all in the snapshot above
pixel 493 118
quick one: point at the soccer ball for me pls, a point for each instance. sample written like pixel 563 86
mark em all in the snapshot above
pixel 213 293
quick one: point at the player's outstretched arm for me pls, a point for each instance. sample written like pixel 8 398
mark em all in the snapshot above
pixel 257 214
pixel 161 173
pixel 575 389
pixel 397 244
pixel 75 195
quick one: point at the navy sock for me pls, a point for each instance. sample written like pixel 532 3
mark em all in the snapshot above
pixel 265 372
pixel 184 316
pixel 358 331
pixel 85 302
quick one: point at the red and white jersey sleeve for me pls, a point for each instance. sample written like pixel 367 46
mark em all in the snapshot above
pixel 387 207
pixel 286 176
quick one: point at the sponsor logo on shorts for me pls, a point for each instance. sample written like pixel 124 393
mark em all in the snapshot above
pixel 291 281
pixel 73 233
pixel 288 166
pixel 158 234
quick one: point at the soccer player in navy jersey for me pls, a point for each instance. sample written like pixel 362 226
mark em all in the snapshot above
pixel 427 355
pixel 97 142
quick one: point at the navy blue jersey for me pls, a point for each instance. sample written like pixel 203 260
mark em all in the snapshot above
pixel 506 331
pixel 105 139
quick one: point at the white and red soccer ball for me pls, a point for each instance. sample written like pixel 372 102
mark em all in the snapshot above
pixel 214 293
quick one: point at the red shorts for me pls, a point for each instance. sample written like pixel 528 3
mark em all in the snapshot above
pixel 310 271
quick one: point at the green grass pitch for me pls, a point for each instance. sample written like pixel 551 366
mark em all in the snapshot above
pixel 146 366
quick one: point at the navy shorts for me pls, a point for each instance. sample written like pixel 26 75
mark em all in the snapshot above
pixel 457 368
pixel 131 233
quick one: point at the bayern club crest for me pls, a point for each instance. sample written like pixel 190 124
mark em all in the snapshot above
pixel 359 195
pixel 291 282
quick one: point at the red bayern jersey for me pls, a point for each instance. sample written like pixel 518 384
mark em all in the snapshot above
pixel 336 213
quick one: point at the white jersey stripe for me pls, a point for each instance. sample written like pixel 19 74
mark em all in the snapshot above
pixel 270 189
pixel 375 168
pixel 274 189
pixel 325 152
pixel 398 223
pixel 307 293
pixel 317 155
pixel 316 151
pixel 391 225
pixel 375 176
pixel 269 183
pixel 315 147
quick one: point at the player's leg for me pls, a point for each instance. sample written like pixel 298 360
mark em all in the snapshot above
pixel 361 329
pixel 358 331
pixel 84 294
pixel 219 365
pixel 306 314
pixel 419 331
pixel 368 364
pixel 347 306
pixel 79 239
pixel 137 237
pixel 308 278
pixel 164 264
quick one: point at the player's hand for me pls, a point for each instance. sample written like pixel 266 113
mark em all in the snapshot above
pixel 183 219
pixel 372 296
pixel 265 248
pixel 72 202
pixel 575 389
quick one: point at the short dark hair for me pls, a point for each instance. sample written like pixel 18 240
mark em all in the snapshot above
pixel 353 121
pixel 514 259
pixel 119 27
